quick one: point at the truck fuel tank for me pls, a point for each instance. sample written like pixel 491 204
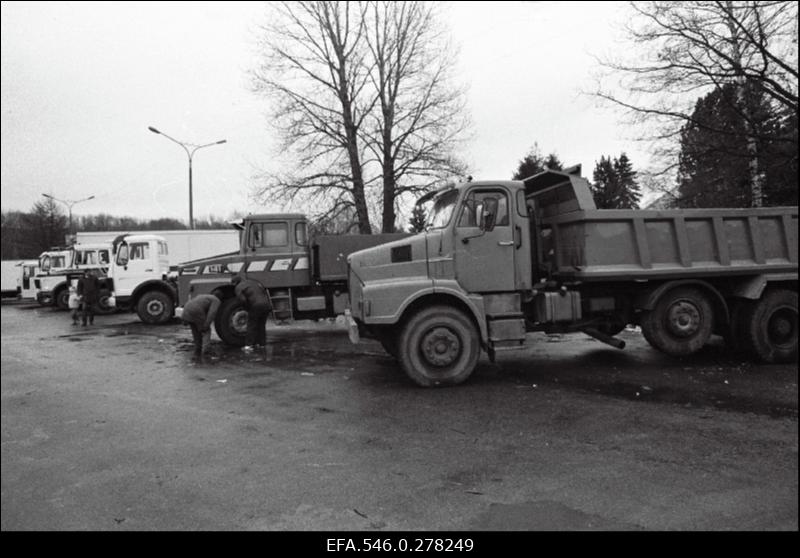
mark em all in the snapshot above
pixel 560 306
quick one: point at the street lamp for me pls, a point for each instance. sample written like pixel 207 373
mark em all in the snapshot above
pixel 190 153
pixel 69 204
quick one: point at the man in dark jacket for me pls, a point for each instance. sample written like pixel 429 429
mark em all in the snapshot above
pixel 255 301
pixel 199 313
pixel 88 290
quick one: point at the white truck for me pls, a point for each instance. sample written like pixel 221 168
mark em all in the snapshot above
pixel 138 278
pixel 10 278
pixel 52 283
pixel 26 274
pixel 184 245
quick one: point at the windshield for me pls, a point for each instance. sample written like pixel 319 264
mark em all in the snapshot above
pixel 442 210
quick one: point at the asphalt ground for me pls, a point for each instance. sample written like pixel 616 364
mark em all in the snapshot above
pixel 115 427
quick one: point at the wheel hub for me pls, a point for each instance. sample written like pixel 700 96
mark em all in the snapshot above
pixel 155 307
pixel 239 321
pixel 441 346
pixel 782 326
pixel 683 319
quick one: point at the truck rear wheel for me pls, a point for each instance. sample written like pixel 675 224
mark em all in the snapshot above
pixel 772 327
pixel 438 346
pixel 155 307
pixel 680 323
pixel 231 322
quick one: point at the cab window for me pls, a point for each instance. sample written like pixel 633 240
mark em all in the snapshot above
pixel 472 212
pixel 269 234
pixel 139 251
pixel 300 234
pixel 122 255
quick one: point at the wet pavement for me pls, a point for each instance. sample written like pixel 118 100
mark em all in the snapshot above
pixel 117 427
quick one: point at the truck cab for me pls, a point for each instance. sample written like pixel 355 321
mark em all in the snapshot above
pixel 139 277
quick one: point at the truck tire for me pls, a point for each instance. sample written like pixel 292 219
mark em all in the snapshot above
pixel 155 307
pixel 61 299
pixel 772 327
pixel 438 346
pixel 680 323
pixel 231 322
pixel 102 308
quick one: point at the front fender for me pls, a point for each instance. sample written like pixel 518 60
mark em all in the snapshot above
pixel 386 302
pixel 154 285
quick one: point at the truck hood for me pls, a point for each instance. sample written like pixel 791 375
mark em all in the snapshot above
pixel 397 259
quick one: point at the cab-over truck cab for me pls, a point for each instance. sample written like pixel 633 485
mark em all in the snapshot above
pixel 139 277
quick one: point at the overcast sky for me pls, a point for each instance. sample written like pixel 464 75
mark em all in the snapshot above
pixel 81 83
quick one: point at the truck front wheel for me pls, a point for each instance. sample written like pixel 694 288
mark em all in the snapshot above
pixel 62 299
pixel 155 307
pixel 231 322
pixel 439 346
pixel 772 327
pixel 680 323
pixel 103 307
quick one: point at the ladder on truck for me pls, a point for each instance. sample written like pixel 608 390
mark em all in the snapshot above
pixel 284 298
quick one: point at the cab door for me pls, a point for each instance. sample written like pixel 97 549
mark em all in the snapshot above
pixel 484 258
pixel 135 264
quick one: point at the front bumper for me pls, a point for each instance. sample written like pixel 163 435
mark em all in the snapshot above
pixel 44 297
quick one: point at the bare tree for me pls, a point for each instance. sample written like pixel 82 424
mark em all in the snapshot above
pixel 420 116
pixel 686 49
pixel 315 73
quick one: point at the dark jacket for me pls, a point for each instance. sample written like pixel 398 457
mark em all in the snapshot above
pixel 251 293
pixel 89 288
pixel 201 310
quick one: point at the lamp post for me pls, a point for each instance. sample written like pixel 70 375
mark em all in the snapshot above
pixel 190 149
pixel 69 204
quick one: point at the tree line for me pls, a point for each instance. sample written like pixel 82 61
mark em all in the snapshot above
pixel 25 235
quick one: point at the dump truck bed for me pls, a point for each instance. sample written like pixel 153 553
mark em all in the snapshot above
pixel 643 244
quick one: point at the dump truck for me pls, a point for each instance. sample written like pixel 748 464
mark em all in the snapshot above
pixel 500 259
pixel 304 278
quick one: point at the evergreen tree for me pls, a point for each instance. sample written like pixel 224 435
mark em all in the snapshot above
pixel 716 162
pixel 534 162
pixel 417 221
pixel 614 183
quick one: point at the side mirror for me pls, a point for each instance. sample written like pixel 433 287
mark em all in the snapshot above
pixel 489 215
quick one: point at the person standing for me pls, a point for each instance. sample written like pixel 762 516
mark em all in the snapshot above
pixel 74 303
pixel 88 291
pixel 254 298
pixel 199 313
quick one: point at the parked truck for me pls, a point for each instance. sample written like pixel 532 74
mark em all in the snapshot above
pixel 503 258
pixel 139 277
pixel 304 278
pixel 53 282
pixel 184 245
pixel 10 278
